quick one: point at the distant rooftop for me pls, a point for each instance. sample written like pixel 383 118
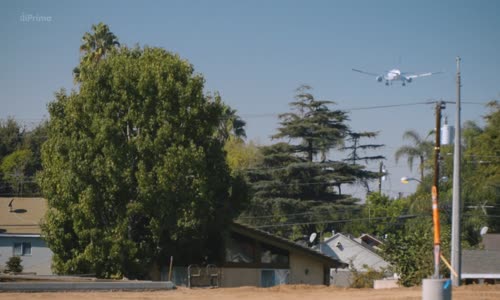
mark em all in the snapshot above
pixel 21 215
pixel 491 241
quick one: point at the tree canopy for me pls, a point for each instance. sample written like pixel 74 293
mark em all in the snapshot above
pixel 296 185
pixel 20 157
pixel 134 168
pixel 419 148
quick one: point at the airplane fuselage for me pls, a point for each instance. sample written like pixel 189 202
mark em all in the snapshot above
pixel 394 74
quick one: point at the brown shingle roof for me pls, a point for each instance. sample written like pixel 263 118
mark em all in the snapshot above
pixel 23 216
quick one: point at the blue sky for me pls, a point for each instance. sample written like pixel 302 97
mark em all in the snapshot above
pixel 255 53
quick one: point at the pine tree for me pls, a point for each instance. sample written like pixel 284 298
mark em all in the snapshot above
pixel 354 138
pixel 292 185
pixel 354 156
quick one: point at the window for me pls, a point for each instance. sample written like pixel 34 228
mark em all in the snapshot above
pixel 273 255
pixel 240 250
pixel 243 251
pixel 22 249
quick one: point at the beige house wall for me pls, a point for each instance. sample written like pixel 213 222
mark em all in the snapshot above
pixel 304 270
pixel 234 277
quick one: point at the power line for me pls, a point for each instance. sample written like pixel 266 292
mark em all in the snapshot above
pixel 388 106
pixel 341 221
pixel 263 115
pixel 300 214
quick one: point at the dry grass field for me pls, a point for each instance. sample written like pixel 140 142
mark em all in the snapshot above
pixel 289 292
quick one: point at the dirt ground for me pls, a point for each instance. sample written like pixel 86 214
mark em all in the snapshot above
pixel 288 292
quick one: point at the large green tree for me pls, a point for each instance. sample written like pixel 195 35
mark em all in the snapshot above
pixel 134 168
pixel 296 183
pixel 315 127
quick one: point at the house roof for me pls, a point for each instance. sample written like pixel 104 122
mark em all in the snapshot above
pixel 359 254
pixel 491 241
pixel 21 215
pixel 370 240
pixel 350 237
pixel 480 264
pixel 286 244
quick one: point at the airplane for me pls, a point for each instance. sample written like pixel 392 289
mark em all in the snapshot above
pixel 395 74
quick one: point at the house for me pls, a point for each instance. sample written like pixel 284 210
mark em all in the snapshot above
pixel 20 234
pixel 251 257
pixel 482 266
pixel 356 252
pixel 256 258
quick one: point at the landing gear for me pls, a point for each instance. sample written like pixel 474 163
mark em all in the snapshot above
pixel 404 83
pixel 386 82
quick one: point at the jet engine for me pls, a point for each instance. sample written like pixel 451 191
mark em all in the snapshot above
pixel 379 78
pixel 408 79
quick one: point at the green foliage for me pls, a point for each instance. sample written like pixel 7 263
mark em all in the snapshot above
pixel 410 251
pixel 95 45
pixel 419 148
pixel 20 157
pixel 14 167
pixel 361 280
pixel 14 265
pixel 231 124
pixel 480 182
pixel 33 140
pixel 241 155
pixel 482 179
pixel 133 168
pixel 380 215
pixel 313 125
pixel 10 137
pixel 354 138
pixel 295 183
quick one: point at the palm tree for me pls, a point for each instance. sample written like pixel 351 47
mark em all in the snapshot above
pixel 95 45
pixel 420 148
pixel 231 124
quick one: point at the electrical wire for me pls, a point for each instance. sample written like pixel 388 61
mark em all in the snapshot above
pixel 342 221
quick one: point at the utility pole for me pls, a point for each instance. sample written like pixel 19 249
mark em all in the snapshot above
pixel 436 288
pixel 380 174
pixel 435 190
pixel 456 250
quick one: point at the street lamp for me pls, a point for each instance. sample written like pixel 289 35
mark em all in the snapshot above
pixel 406 180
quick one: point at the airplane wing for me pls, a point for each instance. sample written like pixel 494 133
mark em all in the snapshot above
pixel 421 75
pixel 367 73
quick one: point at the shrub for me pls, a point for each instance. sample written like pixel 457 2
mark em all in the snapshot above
pixel 365 279
pixel 13 265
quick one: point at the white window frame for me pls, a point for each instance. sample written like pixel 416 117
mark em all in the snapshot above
pixel 24 248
